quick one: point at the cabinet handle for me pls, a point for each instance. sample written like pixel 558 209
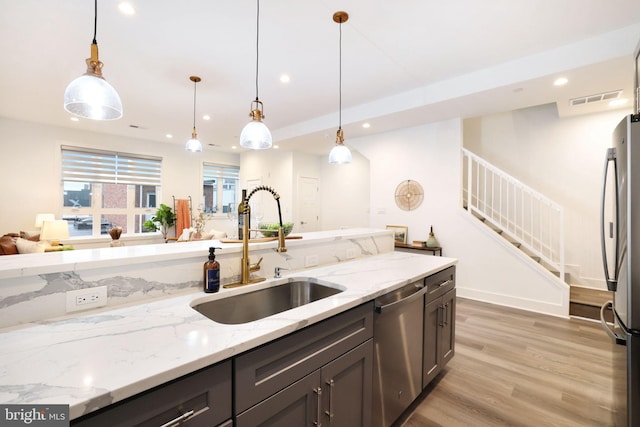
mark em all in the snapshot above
pixel 445 316
pixel 318 392
pixel 329 413
pixel 445 283
pixel 440 315
pixel 178 419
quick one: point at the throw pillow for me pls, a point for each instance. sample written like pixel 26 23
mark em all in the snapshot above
pixel 28 247
pixel 34 236
pixel 8 245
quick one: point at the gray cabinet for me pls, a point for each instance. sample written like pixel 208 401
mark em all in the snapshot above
pixel 338 394
pixel 202 398
pixel 319 374
pixel 439 323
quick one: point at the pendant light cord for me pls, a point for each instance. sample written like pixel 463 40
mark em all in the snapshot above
pixel 194 104
pixel 257 42
pixel 340 80
pixel 95 20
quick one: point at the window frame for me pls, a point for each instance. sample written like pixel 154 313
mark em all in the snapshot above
pixel 99 167
pixel 220 172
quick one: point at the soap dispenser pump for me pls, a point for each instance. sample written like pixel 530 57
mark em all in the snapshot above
pixel 212 272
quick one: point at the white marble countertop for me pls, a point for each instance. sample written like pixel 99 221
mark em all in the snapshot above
pixel 94 360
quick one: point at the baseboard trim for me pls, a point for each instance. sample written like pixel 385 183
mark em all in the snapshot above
pixel 560 309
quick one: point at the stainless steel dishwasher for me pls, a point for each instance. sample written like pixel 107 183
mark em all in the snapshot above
pixel 397 361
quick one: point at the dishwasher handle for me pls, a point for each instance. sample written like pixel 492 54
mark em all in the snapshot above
pixel 420 291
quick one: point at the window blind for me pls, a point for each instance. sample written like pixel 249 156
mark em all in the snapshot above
pixel 109 167
pixel 211 171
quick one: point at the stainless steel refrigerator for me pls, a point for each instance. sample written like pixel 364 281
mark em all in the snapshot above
pixel 620 229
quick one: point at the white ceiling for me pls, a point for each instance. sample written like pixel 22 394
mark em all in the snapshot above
pixel 405 62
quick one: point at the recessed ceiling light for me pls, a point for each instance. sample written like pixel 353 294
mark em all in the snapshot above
pixel 618 102
pixel 561 81
pixel 285 78
pixel 206 117
pixel 276 147
pixel 233 147
pixel 169 136
pixel 126 8
pixel 366 125
pixel 74 119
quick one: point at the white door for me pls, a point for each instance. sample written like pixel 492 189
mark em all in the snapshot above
pixel 308 195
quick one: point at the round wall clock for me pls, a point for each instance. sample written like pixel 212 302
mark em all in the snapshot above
pixel 409 195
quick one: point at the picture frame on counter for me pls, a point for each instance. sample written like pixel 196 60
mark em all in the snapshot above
pixel 400 233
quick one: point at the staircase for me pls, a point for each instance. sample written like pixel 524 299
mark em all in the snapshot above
pixel 528 220
pixel 531 222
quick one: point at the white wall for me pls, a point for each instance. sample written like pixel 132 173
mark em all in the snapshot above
pixel 560 158
pixel 345 195
pixel 488 269
pixel 344 189
pixel 30 156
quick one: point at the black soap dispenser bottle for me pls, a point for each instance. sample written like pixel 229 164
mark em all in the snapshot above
pixel 212 272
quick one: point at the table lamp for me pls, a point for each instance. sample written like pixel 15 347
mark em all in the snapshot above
pixel 54 231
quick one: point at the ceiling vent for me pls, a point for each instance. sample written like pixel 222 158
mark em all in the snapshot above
pixel 606 96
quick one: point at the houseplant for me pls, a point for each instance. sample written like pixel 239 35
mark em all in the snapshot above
pixel 162 220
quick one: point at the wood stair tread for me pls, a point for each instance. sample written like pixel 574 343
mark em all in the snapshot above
pixel 589 296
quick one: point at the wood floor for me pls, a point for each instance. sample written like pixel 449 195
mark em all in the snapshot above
pixel 516 368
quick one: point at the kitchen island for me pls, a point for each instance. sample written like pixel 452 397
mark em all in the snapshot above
pixel 92 360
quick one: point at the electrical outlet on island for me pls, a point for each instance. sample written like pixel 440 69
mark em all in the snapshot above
pixel 84 299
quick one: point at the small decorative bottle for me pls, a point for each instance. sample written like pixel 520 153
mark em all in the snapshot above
pixel 212 272
pixel 432 242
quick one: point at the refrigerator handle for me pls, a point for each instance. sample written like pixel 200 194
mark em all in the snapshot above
pixel 612 282
pixel 618 340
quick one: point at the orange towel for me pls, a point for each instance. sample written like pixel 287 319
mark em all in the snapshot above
pixel 183 215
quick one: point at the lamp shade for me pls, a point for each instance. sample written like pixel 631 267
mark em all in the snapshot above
pixel 256 136
pixel 54 231
pixel 42 217
pixel 93 98
pixel 193 145
pixel 339 154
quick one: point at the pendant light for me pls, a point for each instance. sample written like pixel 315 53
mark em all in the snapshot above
pixel 90 96
pixel 255 135
pixel 340 154
pixel 193 144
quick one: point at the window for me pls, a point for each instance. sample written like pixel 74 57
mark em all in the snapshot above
pixel 104 189
pixel 220 188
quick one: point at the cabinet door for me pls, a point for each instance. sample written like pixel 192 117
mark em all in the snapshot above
pixel 431 350
pixel 347 388
pixel 448 331
pixel 297 405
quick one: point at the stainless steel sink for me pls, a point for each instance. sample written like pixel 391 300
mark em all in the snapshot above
pixel 259 304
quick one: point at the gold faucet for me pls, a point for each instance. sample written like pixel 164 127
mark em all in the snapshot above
pixel 246 268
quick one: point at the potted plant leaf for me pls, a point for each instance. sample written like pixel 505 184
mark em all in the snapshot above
pixel 162 220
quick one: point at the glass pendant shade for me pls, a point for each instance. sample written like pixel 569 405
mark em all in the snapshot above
pixel 256 136
pixel 92 97
pixel 193 144
pixel 340 154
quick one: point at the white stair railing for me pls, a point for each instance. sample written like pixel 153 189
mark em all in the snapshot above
pixel 521 213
